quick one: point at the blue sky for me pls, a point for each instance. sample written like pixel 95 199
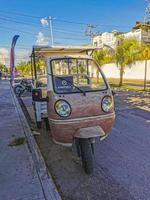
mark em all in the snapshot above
pixel 23 18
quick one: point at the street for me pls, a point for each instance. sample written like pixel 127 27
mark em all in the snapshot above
pixel 122 161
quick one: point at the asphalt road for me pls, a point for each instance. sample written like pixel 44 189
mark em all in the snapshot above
pixel 122 161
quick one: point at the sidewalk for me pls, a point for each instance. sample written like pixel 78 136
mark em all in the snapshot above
pixel 23 175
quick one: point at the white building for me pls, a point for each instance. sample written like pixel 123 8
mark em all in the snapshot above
pixel 137 71
pixel 140 34
pixel 3 55
pixel 135 34
pixel 107 38
pixel 110 38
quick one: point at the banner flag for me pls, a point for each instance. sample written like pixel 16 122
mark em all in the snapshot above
pixel 12 58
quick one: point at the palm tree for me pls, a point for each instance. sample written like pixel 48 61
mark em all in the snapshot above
pixel 2 66
pixel 102 57
pixel 126 53
pixel 24 67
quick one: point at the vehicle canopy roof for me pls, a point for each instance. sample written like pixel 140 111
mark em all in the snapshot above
pixel 60 51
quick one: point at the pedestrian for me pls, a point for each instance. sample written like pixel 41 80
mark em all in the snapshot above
pixel 5 73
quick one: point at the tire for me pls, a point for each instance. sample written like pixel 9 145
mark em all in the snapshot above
pixel 47 123
pixel 87 156
pixel 18 90
pixel 38 124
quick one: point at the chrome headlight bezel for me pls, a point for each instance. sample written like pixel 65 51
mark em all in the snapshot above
pixel 58 104
pixel 107 104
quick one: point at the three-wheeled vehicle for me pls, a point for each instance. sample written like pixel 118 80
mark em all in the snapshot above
pixel 78 100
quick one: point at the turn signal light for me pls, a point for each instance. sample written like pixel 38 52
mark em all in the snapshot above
pixel 36 94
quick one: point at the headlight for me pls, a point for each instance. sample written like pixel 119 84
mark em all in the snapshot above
pixel 107 103
pixel 62 108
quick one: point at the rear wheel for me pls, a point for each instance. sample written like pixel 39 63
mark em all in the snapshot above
pixel 47 123
pixel 38 123
pixel 87 156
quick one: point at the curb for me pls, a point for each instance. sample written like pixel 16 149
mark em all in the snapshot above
pixel 49 189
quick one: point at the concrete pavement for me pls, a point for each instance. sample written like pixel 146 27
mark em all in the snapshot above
pixel 23 175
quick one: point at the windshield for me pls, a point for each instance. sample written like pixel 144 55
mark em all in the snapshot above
pixel 72 74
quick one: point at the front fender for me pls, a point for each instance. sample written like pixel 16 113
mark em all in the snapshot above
pixel 90 132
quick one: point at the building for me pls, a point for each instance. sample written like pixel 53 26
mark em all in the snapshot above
pixel 144 29
pixel 141 31
pixel 107 38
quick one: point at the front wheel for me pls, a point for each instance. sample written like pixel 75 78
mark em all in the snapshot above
pixel 18 90
pixel 87 155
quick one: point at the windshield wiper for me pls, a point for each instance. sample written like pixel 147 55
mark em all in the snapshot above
pixel 61 78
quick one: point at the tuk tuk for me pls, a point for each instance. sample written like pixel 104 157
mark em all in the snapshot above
pixel 74 96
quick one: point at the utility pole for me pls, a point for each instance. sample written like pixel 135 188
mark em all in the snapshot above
pixel 145 75
pixel 48 21
pixel 146 51
pixel 50 18
pixel 147 12
pixel 89 31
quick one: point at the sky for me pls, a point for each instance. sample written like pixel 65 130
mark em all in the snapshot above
pixel 23 17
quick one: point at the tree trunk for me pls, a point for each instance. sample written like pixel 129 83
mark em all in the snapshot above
pixel 121 76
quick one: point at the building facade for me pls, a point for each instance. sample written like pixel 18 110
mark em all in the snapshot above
pixel 107 38
pixel 140 31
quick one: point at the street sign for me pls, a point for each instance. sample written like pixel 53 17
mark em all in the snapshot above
pixel 146 53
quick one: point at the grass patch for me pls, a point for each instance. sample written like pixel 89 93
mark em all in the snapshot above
pixel 17 141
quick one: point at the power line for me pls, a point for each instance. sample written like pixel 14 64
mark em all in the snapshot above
pixel 65 21
pixel 69 32
pixel 21 14
pixel 34 34
pixel 15 21
pixel 72 38
pixel 98 24
pixel 28 21
pixel 77 34
pixel 30 24
pixel 12 29
pixel 71 22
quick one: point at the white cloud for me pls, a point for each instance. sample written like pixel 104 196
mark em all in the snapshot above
pixel 41 39
pixel 4 54
pixel 44 22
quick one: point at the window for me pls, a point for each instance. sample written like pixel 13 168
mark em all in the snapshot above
pixel 95 44
pixel 41 74
pixel 73 75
